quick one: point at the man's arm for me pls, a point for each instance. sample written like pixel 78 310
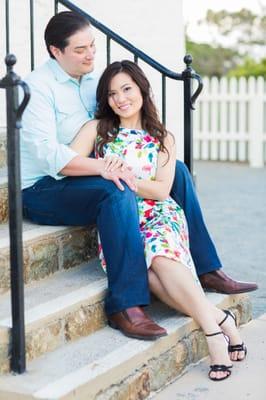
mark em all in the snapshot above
pixel 83 144
pixel 42 149
pixel 40 145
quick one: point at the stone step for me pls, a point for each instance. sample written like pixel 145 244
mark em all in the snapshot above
pixel 3 194
pixel 47 249
pixel 59 309
pixel 109 366
pixel 2 149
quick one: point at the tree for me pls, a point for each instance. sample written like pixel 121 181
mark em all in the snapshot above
pixel 250 68
pixel 237 47
pixel 212 61
pixel 246 30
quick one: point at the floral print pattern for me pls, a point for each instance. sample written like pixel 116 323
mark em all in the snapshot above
pixel 163 224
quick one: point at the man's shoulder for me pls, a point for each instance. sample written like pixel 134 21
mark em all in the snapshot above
pixel 41 76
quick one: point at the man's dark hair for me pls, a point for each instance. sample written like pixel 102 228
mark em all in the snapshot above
pixel 60 27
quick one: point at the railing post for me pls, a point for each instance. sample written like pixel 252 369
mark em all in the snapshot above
pixel 188 122
pixel 11 82
pixel 56 7
pixel 32 56
pixel 7 27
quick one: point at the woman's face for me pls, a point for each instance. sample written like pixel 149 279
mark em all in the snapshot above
pixel 124 97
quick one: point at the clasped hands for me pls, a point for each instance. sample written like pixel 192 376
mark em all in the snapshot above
pixel 117 170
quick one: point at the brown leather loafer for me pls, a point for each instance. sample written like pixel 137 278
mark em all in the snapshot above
pixel 218 281
pixel 133 322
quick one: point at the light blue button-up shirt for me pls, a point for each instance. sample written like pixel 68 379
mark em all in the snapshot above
pixel 58 107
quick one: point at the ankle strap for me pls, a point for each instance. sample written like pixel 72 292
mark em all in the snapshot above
pixel 214 334
pixel 228 313
pixel 225 318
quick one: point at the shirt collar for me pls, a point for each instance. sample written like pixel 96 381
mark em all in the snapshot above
pixel 62 76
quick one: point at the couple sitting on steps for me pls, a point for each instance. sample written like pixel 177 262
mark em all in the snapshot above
pixel 151 231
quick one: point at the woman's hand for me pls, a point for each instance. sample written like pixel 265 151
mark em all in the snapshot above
pixel 114 162
pixel 117 176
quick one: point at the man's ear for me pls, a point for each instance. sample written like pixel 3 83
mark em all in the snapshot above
pixel 55 51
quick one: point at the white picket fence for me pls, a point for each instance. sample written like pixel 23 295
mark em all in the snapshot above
pixel 230 121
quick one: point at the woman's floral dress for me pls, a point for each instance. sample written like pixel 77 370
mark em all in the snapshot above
pixel 162 223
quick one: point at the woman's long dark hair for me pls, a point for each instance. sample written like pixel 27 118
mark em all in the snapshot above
pixel 108 125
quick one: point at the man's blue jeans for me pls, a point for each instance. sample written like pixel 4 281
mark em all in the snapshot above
pixel 94 200
pixel 201 246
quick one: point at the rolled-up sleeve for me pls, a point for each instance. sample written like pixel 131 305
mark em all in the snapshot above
pixel 39 135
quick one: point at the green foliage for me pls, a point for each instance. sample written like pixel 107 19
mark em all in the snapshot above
pixel 246 32
pixel 246 27
pixel 250 68
pixel 211 61
pixel 226 21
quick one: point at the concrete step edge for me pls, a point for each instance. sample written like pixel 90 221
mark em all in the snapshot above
pixel 38 232
pixel 3 182
pixel 62 319
pixel 133 363
pixel 51 325
pixel 60 306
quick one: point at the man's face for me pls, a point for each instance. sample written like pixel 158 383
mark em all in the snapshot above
pixel 77 58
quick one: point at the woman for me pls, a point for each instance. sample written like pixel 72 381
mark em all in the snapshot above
pixel 127 133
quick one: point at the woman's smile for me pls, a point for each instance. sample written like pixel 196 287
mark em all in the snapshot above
pixel 125 98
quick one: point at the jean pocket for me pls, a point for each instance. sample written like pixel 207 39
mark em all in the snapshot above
pixel 48 183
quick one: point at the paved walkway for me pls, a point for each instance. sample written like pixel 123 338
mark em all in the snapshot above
pixel 247 381
pixel 233 198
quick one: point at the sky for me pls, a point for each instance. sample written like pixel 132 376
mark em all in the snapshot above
pixel 194 10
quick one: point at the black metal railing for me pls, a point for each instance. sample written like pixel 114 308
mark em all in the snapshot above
pixel 186 76
pixel 10 83
pixel 14 111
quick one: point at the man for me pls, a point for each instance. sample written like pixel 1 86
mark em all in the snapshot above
pixel 62 188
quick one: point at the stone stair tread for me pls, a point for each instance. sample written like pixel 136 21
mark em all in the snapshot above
pixel 90 353
pixel 3 176
pixel 70 284
pixel 31 231
pixel 102 359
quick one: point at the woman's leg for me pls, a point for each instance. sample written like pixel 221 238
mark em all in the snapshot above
pixel 157 288
pixel 182 292
pixel 228 327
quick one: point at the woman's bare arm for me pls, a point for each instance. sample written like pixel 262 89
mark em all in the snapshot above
pixel 159 189
pixel 84 142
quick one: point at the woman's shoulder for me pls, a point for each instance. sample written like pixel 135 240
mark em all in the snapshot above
pixel 91 125
pixel 170 139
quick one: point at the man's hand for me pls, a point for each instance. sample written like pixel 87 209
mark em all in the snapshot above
pixel 114 162
pixel 116 176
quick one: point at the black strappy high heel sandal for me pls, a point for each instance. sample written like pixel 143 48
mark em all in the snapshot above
pixel 234 347
pixel 219 367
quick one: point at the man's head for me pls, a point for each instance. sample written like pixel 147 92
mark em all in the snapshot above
pixel 69 39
